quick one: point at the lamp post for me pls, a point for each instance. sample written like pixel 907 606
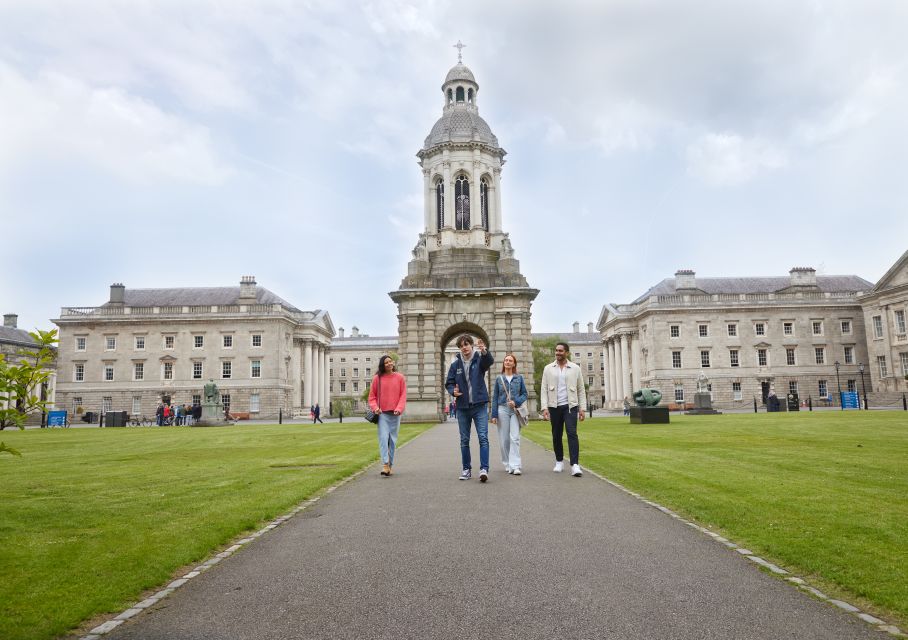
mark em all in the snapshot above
pixel 839 383
pixel 863 384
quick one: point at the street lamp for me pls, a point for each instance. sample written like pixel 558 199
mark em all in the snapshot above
pixel 839 383
pixel 863 384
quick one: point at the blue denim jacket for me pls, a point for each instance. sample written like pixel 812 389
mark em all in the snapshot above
pixel 456 375
pixel 518 391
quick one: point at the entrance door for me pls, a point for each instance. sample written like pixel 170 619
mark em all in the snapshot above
pixel 765 388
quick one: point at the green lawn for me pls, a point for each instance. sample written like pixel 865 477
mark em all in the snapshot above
pixel 823 494
pixel 90 518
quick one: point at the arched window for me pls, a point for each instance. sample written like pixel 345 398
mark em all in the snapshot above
pixel 459 94
pixel 484 202
pixel 440 203
pixel 462 203
pixel 470 96
pixel 450 96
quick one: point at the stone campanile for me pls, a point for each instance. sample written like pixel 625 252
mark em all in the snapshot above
pixel 463 277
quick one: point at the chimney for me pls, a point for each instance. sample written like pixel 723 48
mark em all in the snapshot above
pixel 10 320
pixel 247 288
pixel 685 279
pixel 117 293
pixel 354 332
pixel 589 327
pixel 803 277
pixel 340 332
pixel 576 327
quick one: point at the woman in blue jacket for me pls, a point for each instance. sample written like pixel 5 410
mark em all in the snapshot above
pixel 509 393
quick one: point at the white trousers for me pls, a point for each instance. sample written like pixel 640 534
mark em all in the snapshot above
pixel 508 436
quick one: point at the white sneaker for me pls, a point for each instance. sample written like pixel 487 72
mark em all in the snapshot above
pixel 559 466
pixel 507 468
pixel 576 471
pixel 483 475
pixel 516 471
pixel 510 470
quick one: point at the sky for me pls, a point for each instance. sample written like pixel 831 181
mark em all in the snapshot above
pixel 170 144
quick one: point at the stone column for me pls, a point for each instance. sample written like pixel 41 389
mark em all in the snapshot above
pixel 326 382
pixel 308 379
pixel 635 362
pixel 449 196
pixel 429 203
pixel 613 373
pixel 607 377
pixel 318 357
pixel 475 205
pixel 495 212
pixel 296 374
pixel 625 370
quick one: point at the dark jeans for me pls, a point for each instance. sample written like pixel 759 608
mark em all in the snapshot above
pixel 479 414
pixel 562 417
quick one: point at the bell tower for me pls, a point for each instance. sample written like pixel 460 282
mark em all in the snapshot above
pixel 463 277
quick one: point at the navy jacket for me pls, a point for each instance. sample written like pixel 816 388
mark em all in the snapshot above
pixel 518 391
pixel 457 375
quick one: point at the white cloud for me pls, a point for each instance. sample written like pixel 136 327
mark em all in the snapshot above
pixel 727 159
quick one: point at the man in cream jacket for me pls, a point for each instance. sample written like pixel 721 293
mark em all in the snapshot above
pixel 562 398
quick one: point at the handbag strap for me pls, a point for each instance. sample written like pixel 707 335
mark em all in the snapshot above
pixel 507 387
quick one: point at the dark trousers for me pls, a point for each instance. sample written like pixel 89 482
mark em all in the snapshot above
pixel 561 418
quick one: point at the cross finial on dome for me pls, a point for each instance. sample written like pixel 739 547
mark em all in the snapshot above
pixel 460 47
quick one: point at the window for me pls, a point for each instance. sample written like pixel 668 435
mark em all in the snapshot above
pixel 138 371
pixel 679 393
pixel 849 355
pixel 733 357
pixel 79 372
pixel 168 342
pixel 846 327
pixel 168 371
pixel 136 405
pixel 254 403
pixel 817 327
pixel 228 342
pixel 704 359
pixel 368 372
pixel 900 322
pixel 256 369
pixel 343 387
pixel 368 359
pixel 788 328
pixel 704 330
pixel 439 204
pixel 256 340
pixel 140 343
pixel 355 386
pixel 820 354
pixel 790 357
pixel 881 363
pixel 676 359
pixel 851 385
pixel 225 400
pixel 590 381
pixel 762 358
pixel 674 331
pixel 226 369
pixel 77 402
pixel 904 359
pixel 106 404
pixel 343 372
pixel 196 370
pixel 589 366
pixel 355 359
pixel 80 343
pixel 343 359
pixel 330 373
pixel 462 203
pixel 355 372
pixel 760 329
pixel 576 355
pixel 822 388
pixel 736 390
pixel 793 387
pixel 877 327
pixel 108 373
pixel 198 342
pixel 197 399
pixel 732 331
pixel 111 343
pixel 589 354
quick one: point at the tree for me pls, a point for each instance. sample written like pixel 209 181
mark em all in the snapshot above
pixel 21 381
pixel 343 405
pixel 543 354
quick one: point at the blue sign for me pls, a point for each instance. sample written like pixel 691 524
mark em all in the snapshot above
pixel 56 418
pixel 850 400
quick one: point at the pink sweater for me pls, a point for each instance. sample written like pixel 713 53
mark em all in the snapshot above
pixel 393 393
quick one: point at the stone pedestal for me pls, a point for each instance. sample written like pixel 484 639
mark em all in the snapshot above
pixel 649 415
pixel 703 405
pixel 212 415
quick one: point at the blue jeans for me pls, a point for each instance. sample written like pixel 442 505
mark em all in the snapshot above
pixel 478 413
pixel 388 428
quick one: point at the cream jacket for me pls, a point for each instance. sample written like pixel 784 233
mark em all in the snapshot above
pixel 575 388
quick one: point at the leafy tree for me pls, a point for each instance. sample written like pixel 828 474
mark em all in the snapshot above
pixel 21 380
pixel 543 354
pixel 343 405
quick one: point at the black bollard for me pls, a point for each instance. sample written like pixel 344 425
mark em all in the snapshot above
pixel 810 402
pixel 101 419
pixel 904 403
pixel 340 416
pixel 280 415
pixel 755 404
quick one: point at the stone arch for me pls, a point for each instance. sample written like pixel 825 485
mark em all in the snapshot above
pixel 451 333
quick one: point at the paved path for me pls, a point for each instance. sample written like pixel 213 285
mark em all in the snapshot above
pixel 423 555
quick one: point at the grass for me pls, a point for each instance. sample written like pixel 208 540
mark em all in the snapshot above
pixel 822 494
pixel 91 518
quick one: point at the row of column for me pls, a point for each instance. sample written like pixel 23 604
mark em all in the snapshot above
pixel 622 367
pixel 310 366
pixel 475 204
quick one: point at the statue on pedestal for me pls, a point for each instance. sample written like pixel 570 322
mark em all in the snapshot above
pixel 211 392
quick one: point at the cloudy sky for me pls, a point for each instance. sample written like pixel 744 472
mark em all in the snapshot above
pixel 191 143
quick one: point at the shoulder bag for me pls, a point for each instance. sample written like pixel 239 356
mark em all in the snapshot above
pixel 372 416
pixel 522 413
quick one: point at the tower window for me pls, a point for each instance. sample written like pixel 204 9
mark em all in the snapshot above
pixel 470 96
pixel 459 94
pixel 450 96
pixel 484 202
pixel 462 203
pixel 440 203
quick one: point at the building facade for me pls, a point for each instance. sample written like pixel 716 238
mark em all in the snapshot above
pixel 352 363
pixel 749 335
pixel 146 346
pixel 886 318
pixel 15 341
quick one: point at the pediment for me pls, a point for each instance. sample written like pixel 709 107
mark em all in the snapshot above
pixel 897 276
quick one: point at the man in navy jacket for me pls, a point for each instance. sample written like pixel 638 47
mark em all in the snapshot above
pixel 466 382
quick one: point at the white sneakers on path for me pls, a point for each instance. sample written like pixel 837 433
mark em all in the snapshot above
pixel 559 466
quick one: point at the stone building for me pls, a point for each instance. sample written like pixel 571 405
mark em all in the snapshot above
pixel 749 335
pixel 14 341
pixel 144 346
pixel 588 352
pixel 352 363
pixel 885 309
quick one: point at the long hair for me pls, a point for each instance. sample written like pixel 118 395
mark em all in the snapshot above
pixel 381 365
pixel 515 362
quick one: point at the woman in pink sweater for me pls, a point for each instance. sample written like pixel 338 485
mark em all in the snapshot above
pixel 388 398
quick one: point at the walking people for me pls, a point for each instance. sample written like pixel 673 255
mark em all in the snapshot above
pixel 563 397
pixel 627 406
pixel 159 414
pixel 466 382
pixel 316 414
pixel 509 393
pixel 387 398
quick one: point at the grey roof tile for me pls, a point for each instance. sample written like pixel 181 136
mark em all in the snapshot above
pixel 192 296
pixel 831 284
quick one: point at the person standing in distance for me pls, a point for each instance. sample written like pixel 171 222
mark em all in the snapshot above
pixel 563 398
pixel 387 398
pixel 466 382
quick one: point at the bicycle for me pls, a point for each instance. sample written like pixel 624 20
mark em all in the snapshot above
pixel 140 421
